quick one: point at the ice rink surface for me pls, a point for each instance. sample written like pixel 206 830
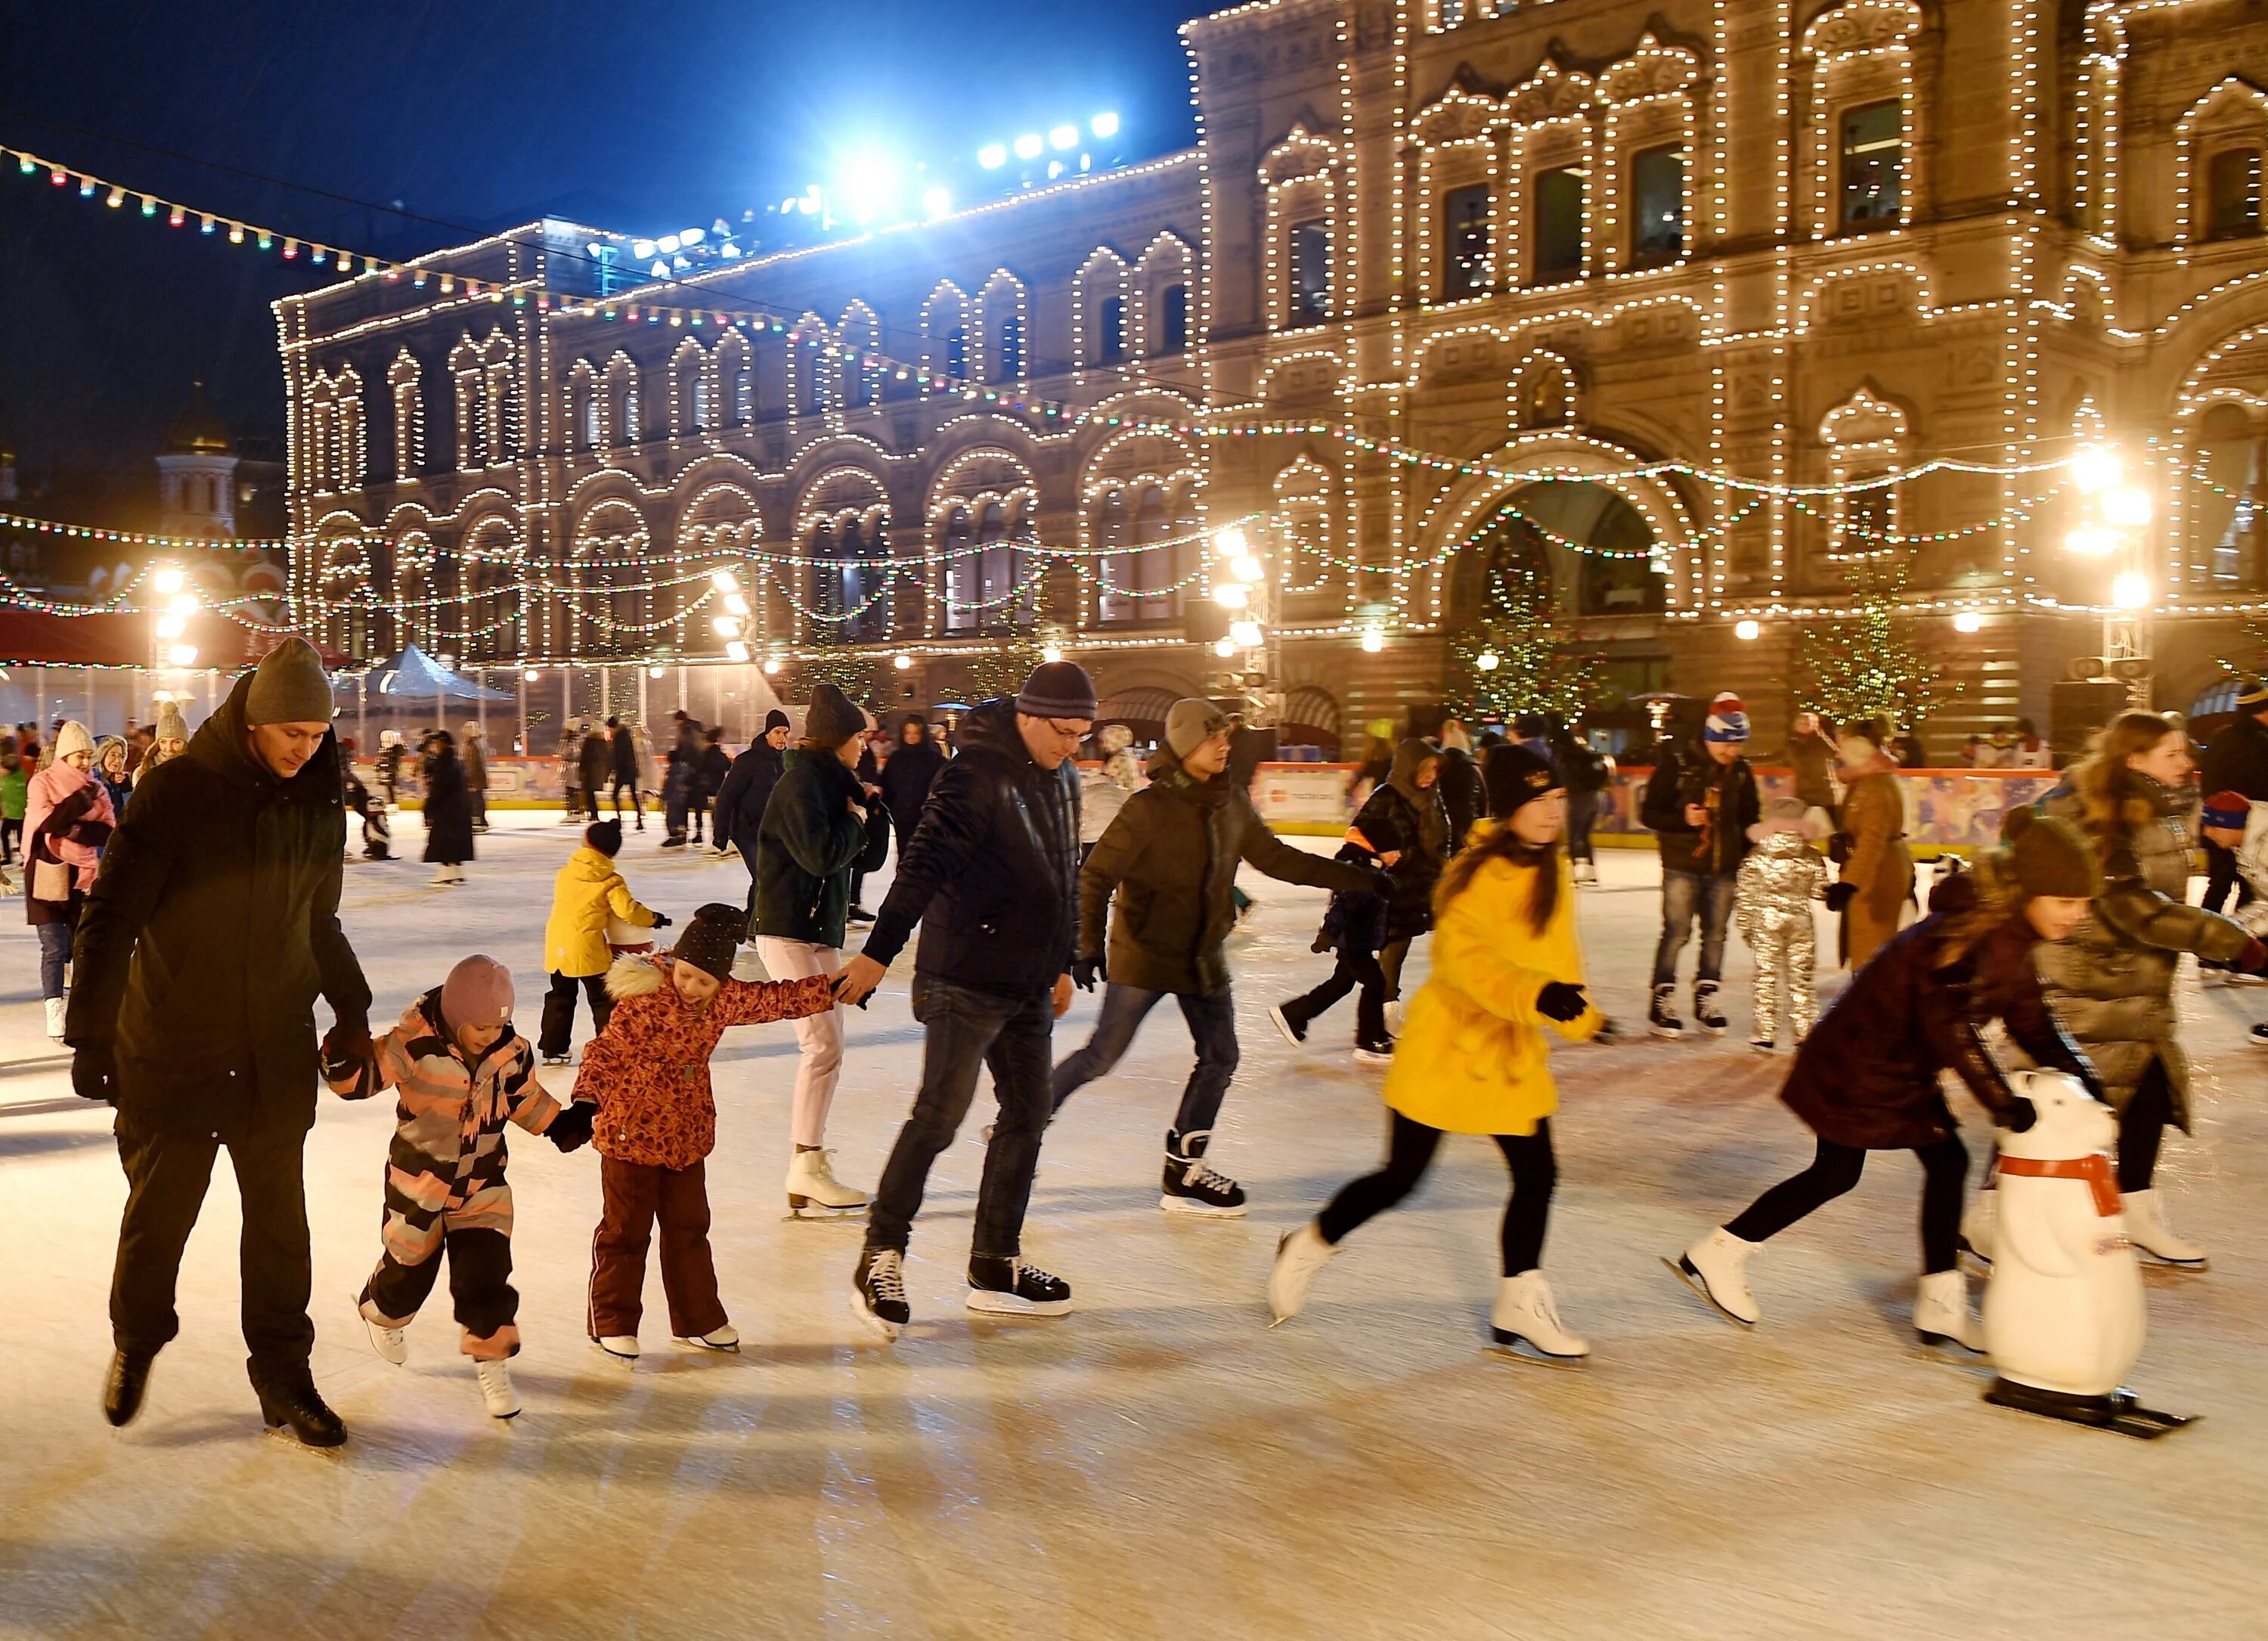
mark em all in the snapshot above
pixel 1159 1463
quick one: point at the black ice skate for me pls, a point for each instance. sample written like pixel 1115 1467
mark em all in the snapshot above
pixel 298 1404
pixel 1190 1188
pixel 1706 1014
pixel 2120 1411
pixel 125 1384
pixel 1007 1285
pixel 880 1296
pixel 1661 1015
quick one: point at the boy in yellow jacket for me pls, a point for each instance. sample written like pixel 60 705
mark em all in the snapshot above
pixel 586 896
pixel 1473 1057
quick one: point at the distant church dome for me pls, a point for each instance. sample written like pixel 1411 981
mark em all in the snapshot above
pixel 198 430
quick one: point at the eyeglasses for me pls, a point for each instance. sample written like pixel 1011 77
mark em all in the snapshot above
pixel 1075 731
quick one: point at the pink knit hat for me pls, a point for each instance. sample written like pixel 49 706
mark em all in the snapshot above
pixel 477 992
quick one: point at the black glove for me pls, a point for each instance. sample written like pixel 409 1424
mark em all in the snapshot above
pixel 1560 1001
pixel 570 1129
pixel 1084 971
pixel 1841 895
pixel 349 1038
pixel 1381 882
pixel 2020 1116
pixel 661 920
pixel 95 1073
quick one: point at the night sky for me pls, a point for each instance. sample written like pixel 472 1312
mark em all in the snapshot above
pixel 476 113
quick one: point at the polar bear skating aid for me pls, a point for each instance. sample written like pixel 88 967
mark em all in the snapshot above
pixel 2064 1312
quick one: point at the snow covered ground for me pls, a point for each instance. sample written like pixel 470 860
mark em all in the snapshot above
pixel 1159 1463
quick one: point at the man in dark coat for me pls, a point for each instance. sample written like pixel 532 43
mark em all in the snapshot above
pixel 597 759
pixel 708 781
pixel 992 878
pixel 1700 803
pixel 448 812
pixel 210 931
pixel 2236 760
pixel 623 751
pixel 747 788
pixel 1170 858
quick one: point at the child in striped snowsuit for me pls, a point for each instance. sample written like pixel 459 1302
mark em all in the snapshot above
pixel 461 1073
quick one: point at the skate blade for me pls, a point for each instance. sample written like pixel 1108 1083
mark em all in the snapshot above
pixel 1183 1208
pixel 1702 1288
pixel 1283 1028
pixel 1947 1352
pixel 820 1211
pixel 290 1437
pixel 888 1331
pixel 2164 1264
pixel 1517 1347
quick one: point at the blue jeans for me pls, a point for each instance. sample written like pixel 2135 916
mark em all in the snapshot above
pixel 55 951
pixel 1686 896
pixel 969 1029
pixel 1212 1028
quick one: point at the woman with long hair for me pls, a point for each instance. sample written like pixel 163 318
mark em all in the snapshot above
pixel 1475 1058
pixel 2112 983
pixel 448 811
pixel 1866 1078
pixel 1878 872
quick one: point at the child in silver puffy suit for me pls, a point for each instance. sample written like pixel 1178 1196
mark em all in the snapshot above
pixel 1780 878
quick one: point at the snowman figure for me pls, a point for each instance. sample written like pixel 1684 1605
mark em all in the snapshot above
pixel 2063 1315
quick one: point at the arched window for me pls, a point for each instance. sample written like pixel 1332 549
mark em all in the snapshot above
pixel 1173 320
pixel 956 353
pixel 962 576
pixel 1110 333
pixel 589 429
pixel 2233 194
pixel 741 380
pixel 700 415
pixel 1008 360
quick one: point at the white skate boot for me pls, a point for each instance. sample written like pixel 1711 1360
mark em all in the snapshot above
pixel 1299 1256
pixel 1942 1313
pixel 1524 1314
pixel 2146 1229
pixel 496 1393
pixel 726 1338
pixel 55 1018
pixel 1715 1268
pixel 392 1344
pixel 622 1346
pixel 814 1193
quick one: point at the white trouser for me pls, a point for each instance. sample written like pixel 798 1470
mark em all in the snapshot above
pixel 819 1035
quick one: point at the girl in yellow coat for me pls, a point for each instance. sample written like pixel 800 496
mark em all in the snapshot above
pixel 1473 1057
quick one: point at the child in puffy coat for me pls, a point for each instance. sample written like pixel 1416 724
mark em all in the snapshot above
pixel 593 917
pixel 648 1071
pixel 1779 879
pixel 459 1073
pixel 1354 927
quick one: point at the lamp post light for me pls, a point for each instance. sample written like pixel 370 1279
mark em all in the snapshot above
pixel 1242 586
pixel 2113 524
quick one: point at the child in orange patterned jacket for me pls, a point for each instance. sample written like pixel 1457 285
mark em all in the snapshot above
pixel 657 1122
pixel 461 1073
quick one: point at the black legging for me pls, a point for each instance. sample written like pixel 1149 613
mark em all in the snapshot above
pixel 1835 1169
pixel 2142 1128
pixel 1410 1150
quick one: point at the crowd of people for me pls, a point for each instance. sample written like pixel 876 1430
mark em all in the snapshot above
pixel 200 918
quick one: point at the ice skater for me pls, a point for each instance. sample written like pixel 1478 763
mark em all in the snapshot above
pixel 1170 858
pixel 590 901
pixel 1781 878
pixel 1474 1059
pixel 657 1123
pixel 1353 929
pixel 1866 1077
pixel 460 1073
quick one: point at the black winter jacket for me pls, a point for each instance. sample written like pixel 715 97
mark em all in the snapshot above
pixel 623 751
pixel 597 758
pixel 1684 774
pixel 992 874
pixel 1461 793
pixel 1171 856
pixel 810 845
pixel 740 813
pixel 212 928
pixel 906 779
pixel 448 811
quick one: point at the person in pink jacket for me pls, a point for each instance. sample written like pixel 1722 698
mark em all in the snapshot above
pixel 68 817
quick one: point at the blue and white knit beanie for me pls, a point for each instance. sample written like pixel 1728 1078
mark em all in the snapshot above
pixel 1729 720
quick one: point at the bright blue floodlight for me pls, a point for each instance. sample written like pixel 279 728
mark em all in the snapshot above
pixel 1028 145
pixel 1064 136
pixel 937 202
pixel 1104 125
pixel 992 156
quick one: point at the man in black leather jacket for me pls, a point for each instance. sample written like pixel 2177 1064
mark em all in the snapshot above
pixel 991 875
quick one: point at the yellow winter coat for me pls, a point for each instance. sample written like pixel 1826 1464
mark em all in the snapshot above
pixel 587 891
pixel 1473 1057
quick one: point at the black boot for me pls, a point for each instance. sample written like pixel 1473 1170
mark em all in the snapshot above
pixel 296 1402
pixel 122 1388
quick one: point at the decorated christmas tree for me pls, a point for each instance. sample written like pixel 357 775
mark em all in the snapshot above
pixel 1515 658
pixel 1868 663
pixel 857 673
pixel 1001 667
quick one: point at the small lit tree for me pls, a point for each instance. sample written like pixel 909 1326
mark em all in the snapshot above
pixel 857 673
pixel 1001 667
pixel 1868 663
pixel 1536 668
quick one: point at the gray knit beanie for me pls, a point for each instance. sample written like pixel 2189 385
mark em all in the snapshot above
pixel 1058 689
pixel 833 718
pixel 171 726
pixel 1190 723
pixel 289 686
